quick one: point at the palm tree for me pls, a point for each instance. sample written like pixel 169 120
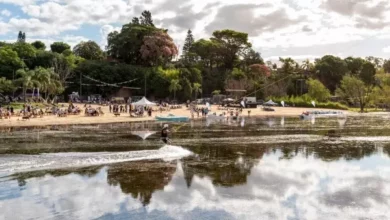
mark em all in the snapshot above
pixel 6 85
pixel 197 89
pixel 175 86
pixel 43 76
pixel 27 80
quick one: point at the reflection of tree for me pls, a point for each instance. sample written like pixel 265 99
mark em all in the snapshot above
pixel 329 152
pixel 87 172
pixel 386 149
pixel 226 166
pixel 141 179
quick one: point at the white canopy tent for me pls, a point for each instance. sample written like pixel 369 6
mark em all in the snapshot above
pixel 270 103
pixel 143 102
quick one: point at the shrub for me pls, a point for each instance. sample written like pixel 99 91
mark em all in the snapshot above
pixel 305 101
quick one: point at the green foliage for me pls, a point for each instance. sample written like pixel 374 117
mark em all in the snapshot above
pixel 146 19
pixel 386 66
pixel 39 45
pixel 367 74
pixel 126 44
pixel 197 89
pixel 6 85
pixel 59 47
pixel 318 91
pixel 355 90
pixel 237 74
pixel 174 87
pixel 9 62
pixel 216 92
pixel 188 56
pixel 305 101
pixel 89 50
pixel 331 70
pixel 24 50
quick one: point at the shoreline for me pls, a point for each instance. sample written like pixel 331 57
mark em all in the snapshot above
pixel 109 118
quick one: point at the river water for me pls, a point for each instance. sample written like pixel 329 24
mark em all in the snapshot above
pixel 254 168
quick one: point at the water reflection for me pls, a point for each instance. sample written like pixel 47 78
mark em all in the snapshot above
pixel 302 187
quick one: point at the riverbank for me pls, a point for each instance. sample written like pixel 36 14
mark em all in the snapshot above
pixel 124 117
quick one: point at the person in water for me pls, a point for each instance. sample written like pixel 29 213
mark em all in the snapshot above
pixel 164 134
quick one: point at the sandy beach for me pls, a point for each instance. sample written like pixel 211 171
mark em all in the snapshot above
pixel 125 117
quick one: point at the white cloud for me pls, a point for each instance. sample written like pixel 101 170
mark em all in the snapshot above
pixel 297 23
pixel 386 49
pixel 6 13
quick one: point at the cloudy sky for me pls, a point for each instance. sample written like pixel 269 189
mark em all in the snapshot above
pixel 297 28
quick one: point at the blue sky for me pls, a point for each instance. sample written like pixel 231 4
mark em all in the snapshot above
pixel 289 28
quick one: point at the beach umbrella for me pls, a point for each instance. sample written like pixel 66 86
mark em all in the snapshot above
pixel 313 103
pixel 282 103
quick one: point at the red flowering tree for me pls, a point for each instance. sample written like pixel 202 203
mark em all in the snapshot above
pixel 259 70
pixel 158 48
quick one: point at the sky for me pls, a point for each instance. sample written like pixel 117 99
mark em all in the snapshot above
pixel 301 29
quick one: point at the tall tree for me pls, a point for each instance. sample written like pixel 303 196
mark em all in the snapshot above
pixel 330 70
pixel 59 47
pixel 188 55
pixel 197 89
pixel 158 48
pixel 89 50
pixel 355 90
pixel 355 65
pixel 146 18
pixel 39 45
pixel 232 44
pixel 367 74
pixel 174 87
pixel 135 21
pixel 27 80
pixel 21 37
pixel 126 44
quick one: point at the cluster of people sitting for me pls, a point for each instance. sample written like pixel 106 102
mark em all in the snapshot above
pixel 89 111
pixel 139 111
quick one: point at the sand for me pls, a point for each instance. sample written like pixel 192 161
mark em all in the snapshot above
pixel 125 117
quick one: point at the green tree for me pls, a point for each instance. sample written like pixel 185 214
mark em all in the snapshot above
pixel 89 50
pixel 330 71
pixel 6 85
pixel 25 51
pixel 318 91
pixel 188 56
pixel 355 90
pixel 59 47
pixel 21 37
pixel 39 45
pixel 232 44
pixel 367 74
pixel 355 65
pixel 27 80
pixel 174 86
pixel 135 21
pixel 197 88
pixel 386 66
pixel 126 44
pixel 146 18
pixel 9 62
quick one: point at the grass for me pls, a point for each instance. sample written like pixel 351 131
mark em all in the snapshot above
pixel 367 110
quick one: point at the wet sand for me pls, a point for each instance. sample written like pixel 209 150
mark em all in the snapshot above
pixel 125 117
